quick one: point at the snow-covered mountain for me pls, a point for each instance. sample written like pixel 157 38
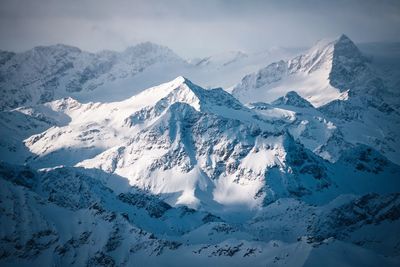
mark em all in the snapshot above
pixel 47 73
pixel 182 141
pixel 340 81
pixel 177 171
pixel 227 69
pixel 323 74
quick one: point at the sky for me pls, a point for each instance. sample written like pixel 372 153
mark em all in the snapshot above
pixel 194 28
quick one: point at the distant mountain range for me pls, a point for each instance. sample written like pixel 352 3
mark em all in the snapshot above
pixel 46 73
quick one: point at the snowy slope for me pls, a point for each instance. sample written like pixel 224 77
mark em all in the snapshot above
pixel 351 94
pixel 168 119
pixel 196 147
pixel 331 129
pixel 227 69
pixel 107 228
pixel 321 75
pixel 47 73
pixel 306 124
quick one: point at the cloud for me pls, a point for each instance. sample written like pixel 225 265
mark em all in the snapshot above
pixel 194 28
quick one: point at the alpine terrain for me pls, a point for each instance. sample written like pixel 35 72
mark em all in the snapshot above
pixel 139 158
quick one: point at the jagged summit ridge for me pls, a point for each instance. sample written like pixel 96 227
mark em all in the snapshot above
pixel 323 74
pixel 193 146
pixel 46 73
pixel 293 99
pixel 211 100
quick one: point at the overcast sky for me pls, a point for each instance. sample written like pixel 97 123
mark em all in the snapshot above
pixel 194 28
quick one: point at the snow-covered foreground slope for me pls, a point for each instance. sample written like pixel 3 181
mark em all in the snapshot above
pixel 70 217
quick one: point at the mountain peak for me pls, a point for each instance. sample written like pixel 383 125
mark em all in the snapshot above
pixel 346 47
pixel 348 63
pixel 181 83
pixel 330 42
pixel 325 54
pixel 323 74
pixel 340 45
pixel 180 80
pixel 343 38
pixel 183 90
pixel 292 99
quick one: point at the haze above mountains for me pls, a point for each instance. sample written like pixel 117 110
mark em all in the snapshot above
pixel 284 157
